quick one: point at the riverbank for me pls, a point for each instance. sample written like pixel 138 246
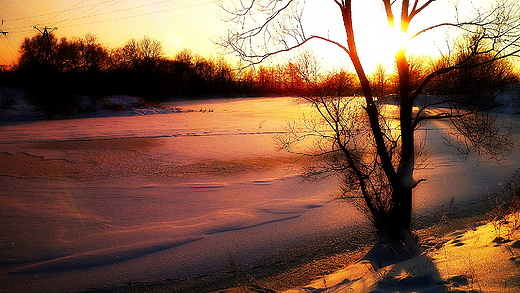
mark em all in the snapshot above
pixel 461 246
pixel 482 259
pixel 199 198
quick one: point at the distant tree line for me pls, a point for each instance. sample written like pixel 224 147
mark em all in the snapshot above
pixel 56 71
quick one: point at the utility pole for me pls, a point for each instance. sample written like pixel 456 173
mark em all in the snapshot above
pixel 1 31
pixel 45 50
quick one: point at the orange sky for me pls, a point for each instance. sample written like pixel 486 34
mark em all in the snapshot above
pixel 194 24
pixel 178 24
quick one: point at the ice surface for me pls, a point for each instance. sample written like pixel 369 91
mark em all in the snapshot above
pixel 97 201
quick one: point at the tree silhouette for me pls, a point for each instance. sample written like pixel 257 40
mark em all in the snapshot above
pixel 36 51
pixel 138 55
pixel 82 66
pixel 374 158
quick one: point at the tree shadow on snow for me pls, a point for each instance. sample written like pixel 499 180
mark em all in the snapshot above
pixel 418 274
pixel 405 267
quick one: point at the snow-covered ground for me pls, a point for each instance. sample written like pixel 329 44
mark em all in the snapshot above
pixel 179 190
pixel 484 259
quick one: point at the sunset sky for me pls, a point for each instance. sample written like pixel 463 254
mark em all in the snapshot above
pixel 192 24
pixel 177 24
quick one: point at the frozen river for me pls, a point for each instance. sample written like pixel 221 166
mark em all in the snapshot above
pixel 99 201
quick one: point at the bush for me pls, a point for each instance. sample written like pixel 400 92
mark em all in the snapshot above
pixel 7 101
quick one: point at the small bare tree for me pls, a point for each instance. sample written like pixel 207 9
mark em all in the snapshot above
pixel 375 160
pixel 140 55
pixel 380 81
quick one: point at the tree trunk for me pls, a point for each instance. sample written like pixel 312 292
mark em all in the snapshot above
pixel 401 213
pixel 395 222
pixel 402 196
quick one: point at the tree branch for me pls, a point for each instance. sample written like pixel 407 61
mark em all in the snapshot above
pixel 416 10
pixel 261 58
pixel 389 14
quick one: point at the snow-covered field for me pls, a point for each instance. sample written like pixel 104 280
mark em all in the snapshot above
pixel 171 192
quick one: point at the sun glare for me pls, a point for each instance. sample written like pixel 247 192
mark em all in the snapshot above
pixel 381 46
pixel 398 39
pixel 377 42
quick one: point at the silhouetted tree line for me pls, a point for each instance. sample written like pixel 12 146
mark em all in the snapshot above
pixel 57 71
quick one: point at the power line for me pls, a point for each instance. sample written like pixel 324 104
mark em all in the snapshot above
pixel 73 18
pixel 45 52
pixel 1 31
pixel 93 6
pixel 125 9
pixel 69 9
pixel 3 60
pixel 11 45
pixel 139 15
pixel 60 11
pixel 23 29
pixel 7 44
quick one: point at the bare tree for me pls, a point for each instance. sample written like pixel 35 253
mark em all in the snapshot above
pixel 380 81
pixel 94 55
pixel 81 55
pixel 140 55
pixel 30 51
pixel 377 161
